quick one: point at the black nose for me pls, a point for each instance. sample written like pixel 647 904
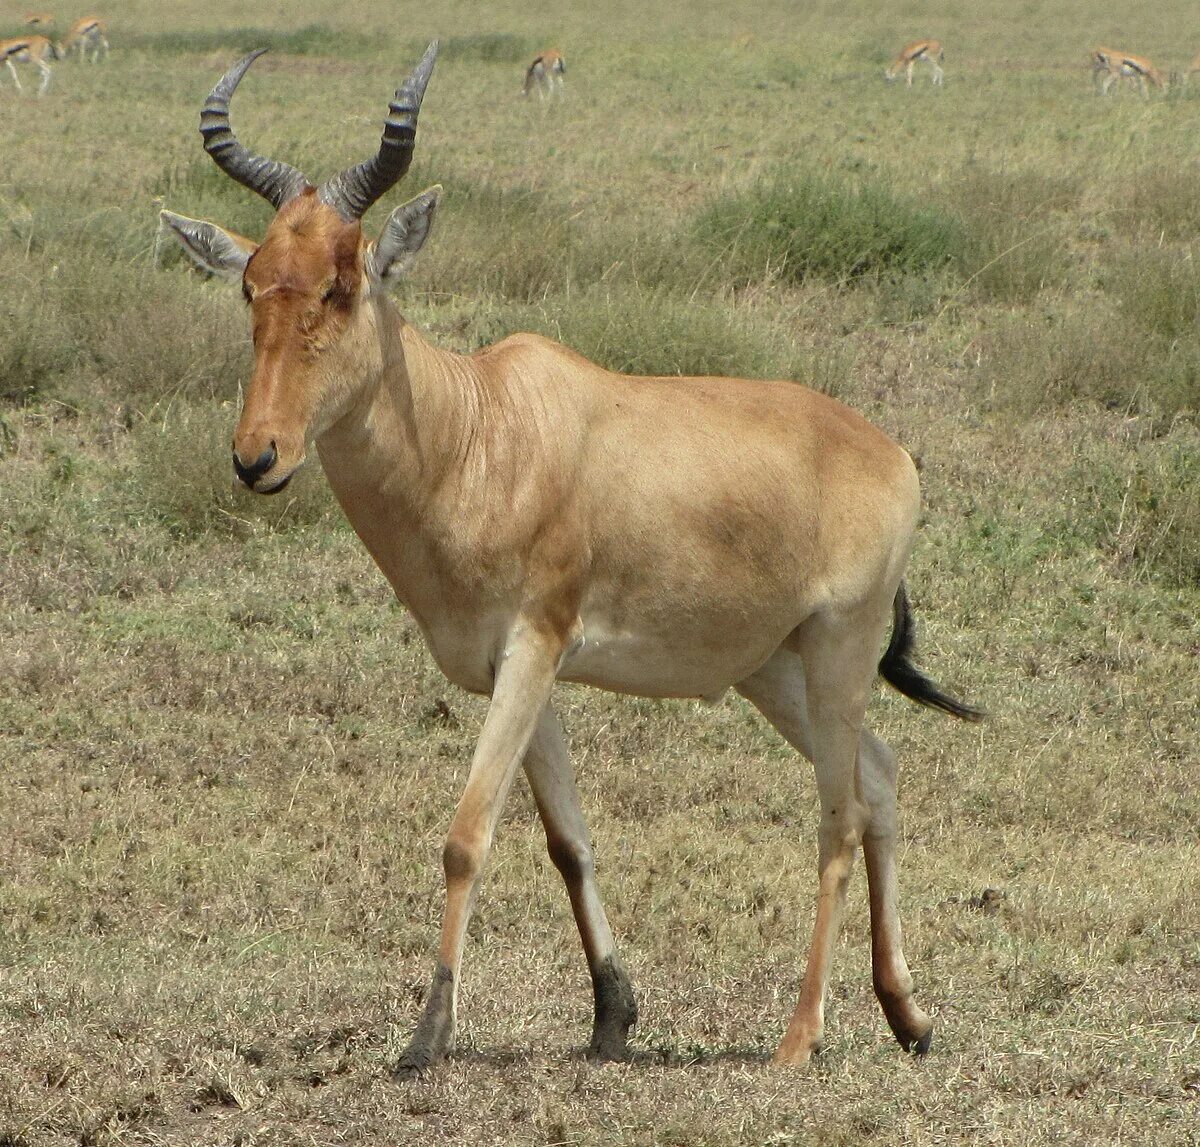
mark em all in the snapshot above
pixel 251 474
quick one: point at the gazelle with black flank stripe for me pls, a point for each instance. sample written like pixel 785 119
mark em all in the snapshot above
pixel 37 51
pixel 1109 67
pixel 87 37
pixel 547 74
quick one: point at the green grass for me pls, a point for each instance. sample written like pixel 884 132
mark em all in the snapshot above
pixel 307 40
pixel 797 225
pixel 229 761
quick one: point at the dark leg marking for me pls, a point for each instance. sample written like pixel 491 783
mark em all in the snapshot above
pixel 434 1036
pixel 616 1010
pixel 897 1012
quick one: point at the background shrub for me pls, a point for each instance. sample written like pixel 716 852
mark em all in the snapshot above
pixel 795 225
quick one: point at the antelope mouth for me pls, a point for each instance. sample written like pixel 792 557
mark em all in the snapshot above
pixel 278 487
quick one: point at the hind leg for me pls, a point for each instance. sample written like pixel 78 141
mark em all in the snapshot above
pixel 837 672
pixel 889 970
pixel 778 691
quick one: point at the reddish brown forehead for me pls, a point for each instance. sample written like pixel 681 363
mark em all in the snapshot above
pixel 305 244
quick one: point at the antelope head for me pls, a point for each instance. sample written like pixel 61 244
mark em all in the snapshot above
pixel 309 281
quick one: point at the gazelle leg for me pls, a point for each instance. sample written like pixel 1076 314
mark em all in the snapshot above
pixel 908 73
pixel 13 72
pixel 520 693
pixel 45 69
pixel 548 767
pixel 938 74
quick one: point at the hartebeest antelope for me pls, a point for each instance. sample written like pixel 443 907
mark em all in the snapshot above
pixel 546 73
pixel 35 50
pixel 930 51
pixel 545 519
pixel 1109 66
pixel 85 35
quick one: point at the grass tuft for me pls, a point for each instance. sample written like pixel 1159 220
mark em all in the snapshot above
pixel 308 40
pixel 1019 226
pixel 793 226
pixel 182 479
pixel 651 331
pixel 490 48
pixel 1048 360
pixel 1144 505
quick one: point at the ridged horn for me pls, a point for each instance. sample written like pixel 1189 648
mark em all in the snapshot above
pixel 352 192
pixel 276 182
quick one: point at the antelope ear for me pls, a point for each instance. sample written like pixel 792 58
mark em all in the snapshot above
pixel 219 252
pixel 403 235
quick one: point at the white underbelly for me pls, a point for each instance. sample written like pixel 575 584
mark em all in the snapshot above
pixel 653 667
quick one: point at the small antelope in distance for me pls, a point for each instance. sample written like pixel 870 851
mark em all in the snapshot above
pixel 928 50
pixel 39 19
pixel 1108 67
pixel 546 73
pixel 35 50
pixel 545 519
pixel 86 34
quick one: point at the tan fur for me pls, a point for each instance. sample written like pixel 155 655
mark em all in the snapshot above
pixel 546 519
pixel 545 73
pixel 670 537
pixel 35 50
pixel 1109 66
pixel 88 33
pixel 929 51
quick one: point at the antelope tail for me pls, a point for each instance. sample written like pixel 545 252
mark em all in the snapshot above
pixel 897 669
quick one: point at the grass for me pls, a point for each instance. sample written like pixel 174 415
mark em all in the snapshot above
pixel 794 226
pixel 229 761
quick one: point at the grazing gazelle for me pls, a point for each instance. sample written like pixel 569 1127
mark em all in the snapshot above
pixel 85 35
pixel 928 50
pixel 36 50
pixel 546 73
pixel 1108 67
pixel 39 19
pixel 545 519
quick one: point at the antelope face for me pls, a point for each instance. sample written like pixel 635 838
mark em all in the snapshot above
pixel 307 282
pixel 303 285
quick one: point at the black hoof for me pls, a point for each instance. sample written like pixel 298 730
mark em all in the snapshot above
pixel 921 1044
pixel 410 1067
pixel 616 1012
pixel 434 1037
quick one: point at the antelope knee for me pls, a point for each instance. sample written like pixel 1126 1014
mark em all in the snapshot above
pixel 572 858
pixel 462 860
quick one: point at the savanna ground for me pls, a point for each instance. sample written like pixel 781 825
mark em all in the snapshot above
pixel 228 762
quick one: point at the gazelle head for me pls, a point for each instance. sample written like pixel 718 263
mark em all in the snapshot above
pixel 307 282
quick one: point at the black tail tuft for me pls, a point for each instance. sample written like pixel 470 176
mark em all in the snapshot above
pixel 897 669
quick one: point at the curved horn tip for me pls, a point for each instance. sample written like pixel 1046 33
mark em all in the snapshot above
pixel 233 77
pixel 424 67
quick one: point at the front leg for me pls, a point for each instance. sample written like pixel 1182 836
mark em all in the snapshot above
pixel 521 691
pixel 548 767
